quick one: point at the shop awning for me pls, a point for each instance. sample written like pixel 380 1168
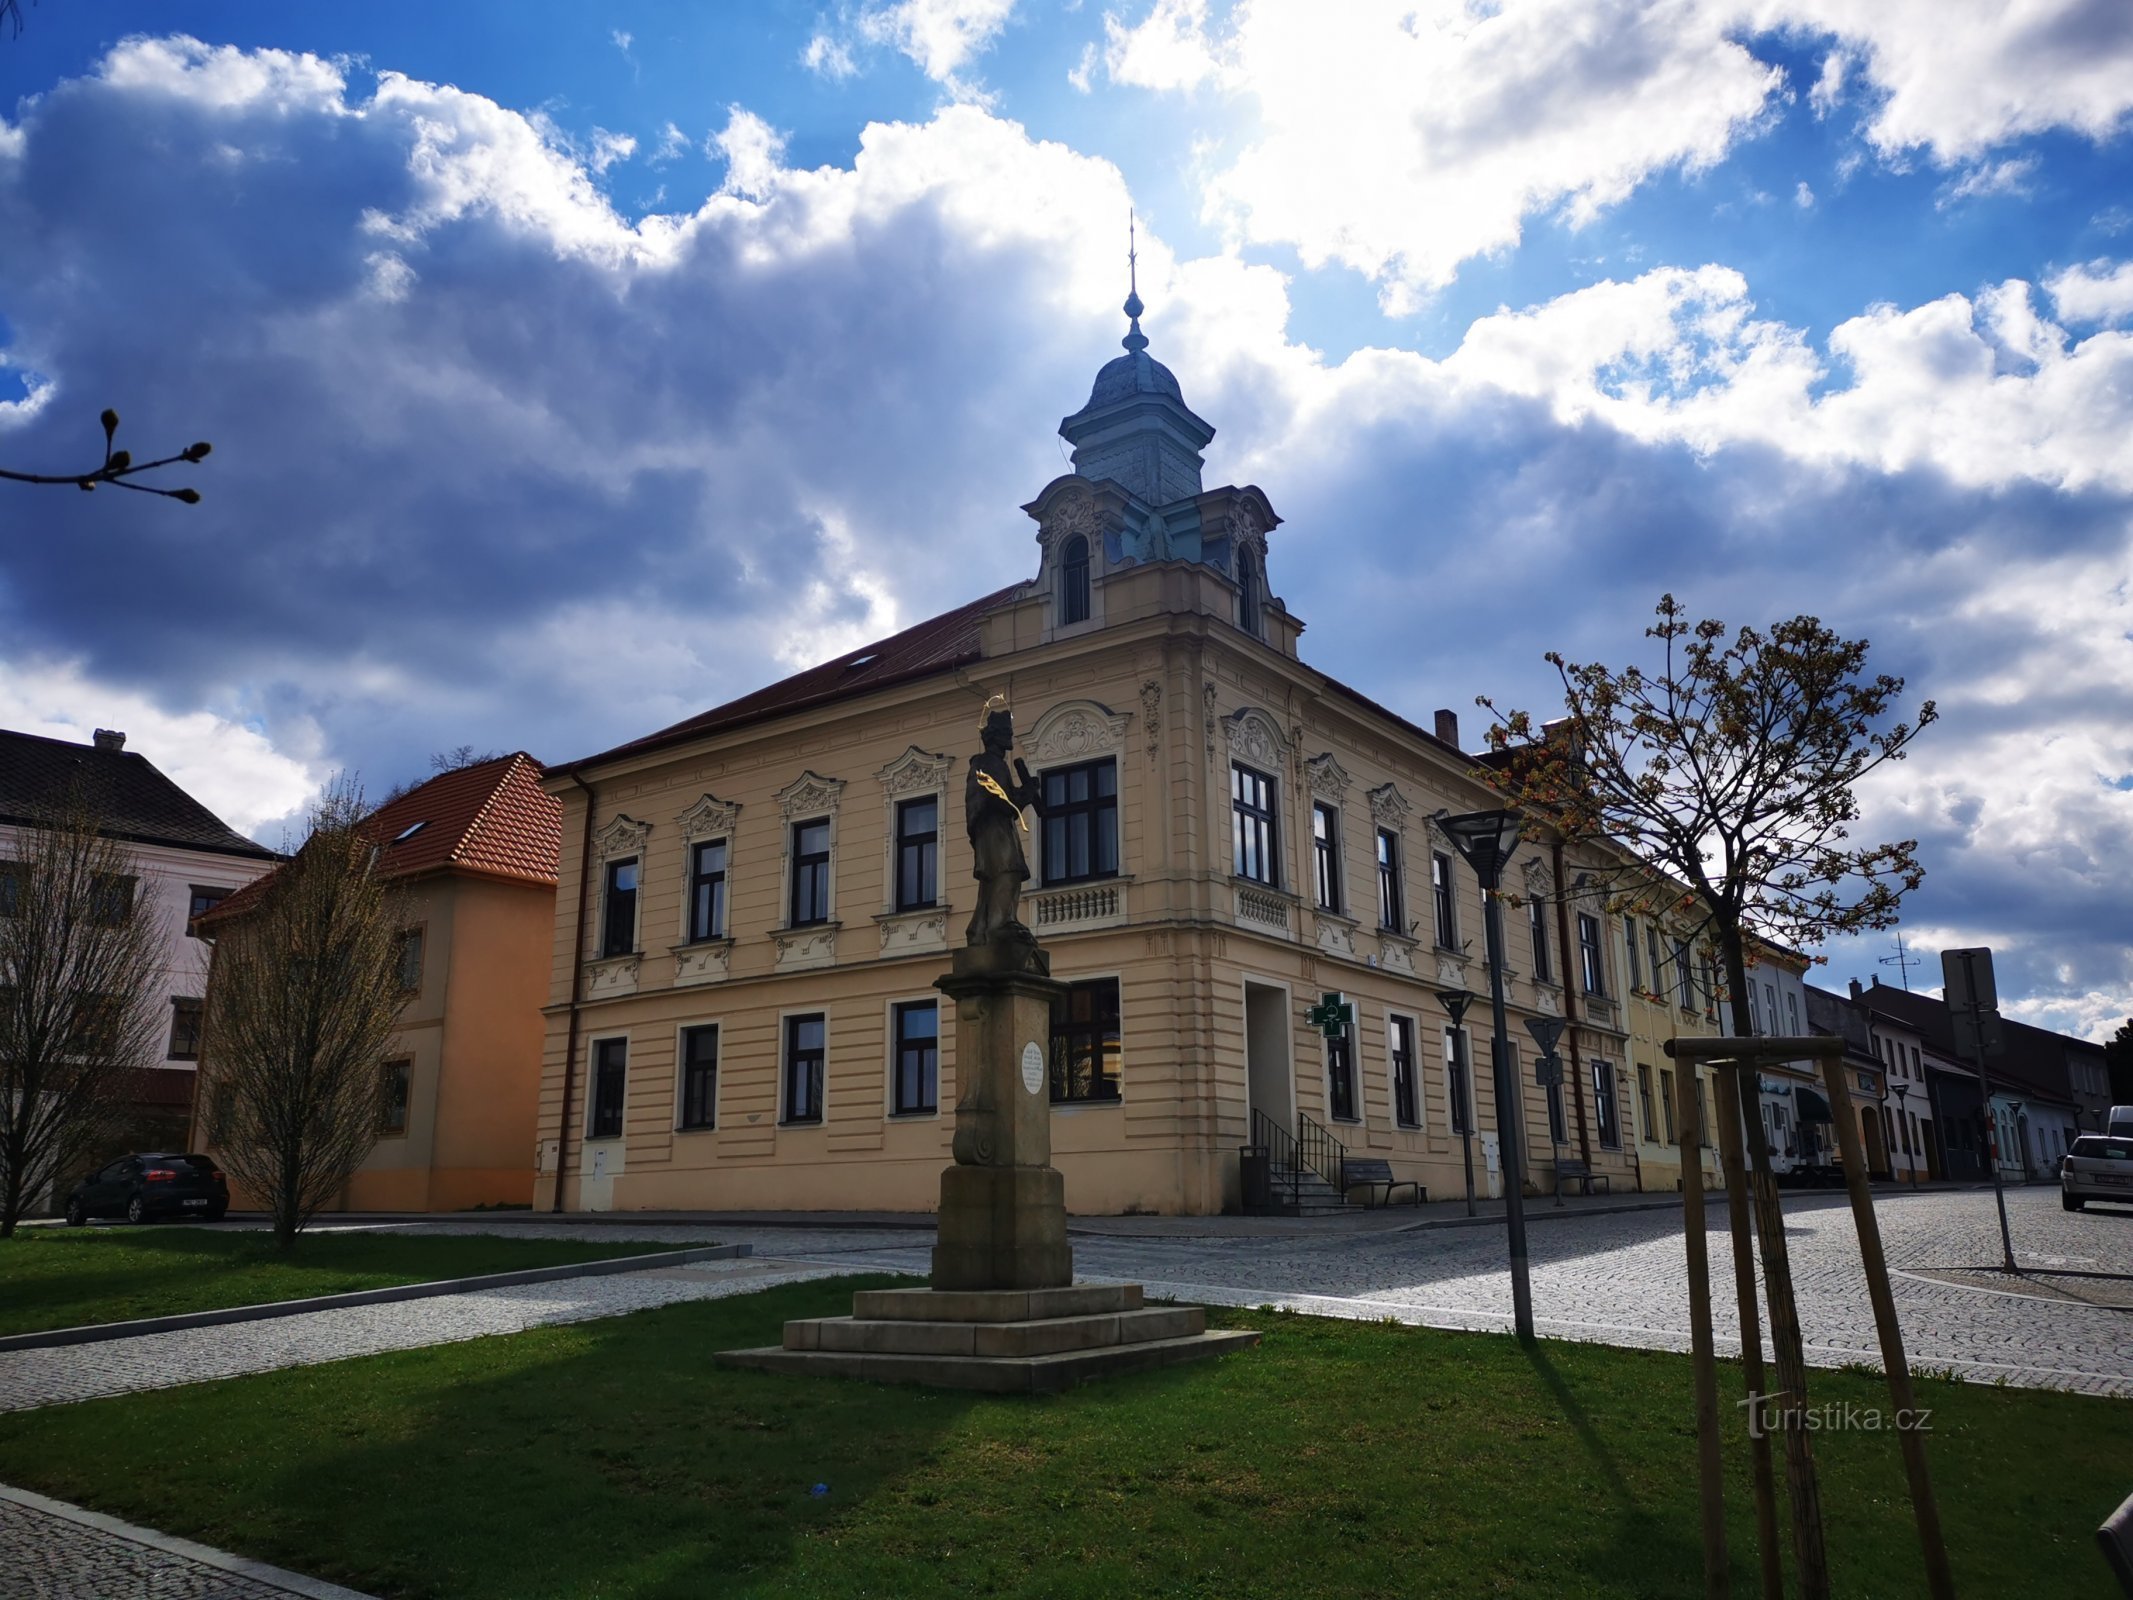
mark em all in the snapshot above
pixel 1809 1105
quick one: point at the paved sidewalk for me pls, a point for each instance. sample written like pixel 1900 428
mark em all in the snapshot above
pixel 50 1550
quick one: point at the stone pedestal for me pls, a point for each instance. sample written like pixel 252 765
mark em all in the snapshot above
pixel 1003 1204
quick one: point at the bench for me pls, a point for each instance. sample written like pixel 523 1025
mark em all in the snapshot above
pixel 1580 1172
pixel 1371 1176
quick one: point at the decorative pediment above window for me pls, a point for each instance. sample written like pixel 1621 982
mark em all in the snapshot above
pixel 1329 780
pixel 624 836
pixel 709 818
pixel 810 795
pixel 1077 730
pixel 1255 737
pixel 1389 807
pixel 915 772
pixel 1536 879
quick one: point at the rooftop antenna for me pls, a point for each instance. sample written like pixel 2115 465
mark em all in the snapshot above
pixel 1135 340
pixel 1902 962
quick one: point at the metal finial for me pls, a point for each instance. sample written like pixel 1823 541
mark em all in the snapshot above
pixel 1135 340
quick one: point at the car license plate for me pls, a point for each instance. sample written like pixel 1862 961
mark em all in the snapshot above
pixel 2114 1180
pixel 196 1202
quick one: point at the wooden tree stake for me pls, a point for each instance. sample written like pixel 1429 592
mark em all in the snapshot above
pixel 1732 1161
pixel 1717 1584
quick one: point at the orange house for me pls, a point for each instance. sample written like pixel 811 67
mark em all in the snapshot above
pixel 475 852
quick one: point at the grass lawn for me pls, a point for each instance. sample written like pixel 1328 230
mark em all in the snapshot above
pixel 1339 1459
pixel 63 1279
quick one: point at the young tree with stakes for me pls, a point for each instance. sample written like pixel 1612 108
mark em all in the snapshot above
pixel 302 998
pixel 77 971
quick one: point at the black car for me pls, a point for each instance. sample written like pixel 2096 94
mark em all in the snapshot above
pixel 144 1187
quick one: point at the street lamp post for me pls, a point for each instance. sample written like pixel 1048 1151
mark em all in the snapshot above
pixel 1486 839
pixel 1455 1001
pixel 1548 1072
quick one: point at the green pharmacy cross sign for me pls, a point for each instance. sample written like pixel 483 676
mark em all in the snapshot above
pixel 1332 1015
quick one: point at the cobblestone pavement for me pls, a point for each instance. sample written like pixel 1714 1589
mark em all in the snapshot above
pixel 49 1551
pixel 30 1378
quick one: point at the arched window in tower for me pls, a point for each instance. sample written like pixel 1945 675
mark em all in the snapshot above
pixel 1248 590
pixel 1074 581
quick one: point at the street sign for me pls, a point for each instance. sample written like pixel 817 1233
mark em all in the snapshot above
pixel 1966 978
pixel 1548 1072
pixel 1332 1016
pixel 1977 1033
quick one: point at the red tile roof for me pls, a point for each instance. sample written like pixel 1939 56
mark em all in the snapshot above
pixel 938 644
pixel 492 818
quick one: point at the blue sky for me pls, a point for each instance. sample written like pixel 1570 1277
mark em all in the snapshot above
pixel 572 368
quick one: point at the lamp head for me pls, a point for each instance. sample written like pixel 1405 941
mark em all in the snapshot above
pixel 1485 839
pixel 1455 1001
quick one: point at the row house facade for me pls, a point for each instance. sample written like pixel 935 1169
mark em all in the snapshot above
pixel 753 904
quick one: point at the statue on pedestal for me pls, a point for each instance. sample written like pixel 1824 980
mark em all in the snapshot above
pixel 995 794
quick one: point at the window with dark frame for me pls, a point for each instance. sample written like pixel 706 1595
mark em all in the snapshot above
pixel 1666 1103
pixel 707 890
pixel 1651 948
pixel 1594 969
pixel 407 960
pixel 1603 1105
pixel 918 852
pixel 110 898
pixel 1248 591
pixel 1081 822
pixel 810 902
pixel 1326 854
pixel 1406 1091
pixel 699 1076
pixel 1085 1042
pixel 1684 976
pixel 1537 920
pixel 1629 943
pixel 184 1029
pixel 1440 887
pixel 202 899
pixel 11 876
pixel 392 1114
pixel 1392 903
pixel 915 1088
pixel 1074 581
pixel 1456 1087
pixel 806 1038
pixel 1644 1102
pixel 610 1073
pixel 1252 812
pixel 1340 1075
pixel 618 914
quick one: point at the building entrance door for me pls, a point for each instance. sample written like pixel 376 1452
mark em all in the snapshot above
pixel 1270 1084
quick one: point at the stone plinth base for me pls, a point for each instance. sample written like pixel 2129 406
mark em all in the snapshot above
pixel 1002 1228
pixel 1005 1341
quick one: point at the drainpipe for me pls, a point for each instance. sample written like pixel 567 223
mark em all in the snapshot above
pixel 577 993
pixel 1570 1004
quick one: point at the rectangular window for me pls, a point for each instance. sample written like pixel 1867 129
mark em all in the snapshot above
pixel 1392 902
pixel 707 890
pixel 1651 948
pixel 1537 920
pixel 392 1115
pixel 1406 1086
pixel 1252 812
pixel 1684 976
pixel 1629 943
pixel 1326 854
pixel 1755 1011
pixel 1440 888
pixel 110 899
pixel 918 1058
pixel 1085 1042
pixel 1603 1104
pixel 184 1030
pixel 203 899
pixel 1792 1010
pixel 407 960
pixel 610 1070
pixel 1081 822
pixel 11 875
pixel 1457 1088
pixel 1340 1076
pixel 1644 1102
pixel 810 873
pixel 918 853
pixel 1592 969
pixel 1666 1103
pixel 618 916
pixel 699 1076
pixel 806 1040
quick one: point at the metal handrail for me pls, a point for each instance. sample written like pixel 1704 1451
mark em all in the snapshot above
pixel 1312 1147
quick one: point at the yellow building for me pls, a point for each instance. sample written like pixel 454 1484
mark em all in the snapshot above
pixel 753 904
pixel 1674 993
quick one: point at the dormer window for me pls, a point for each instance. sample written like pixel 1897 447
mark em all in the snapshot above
pixel 1248 591
pixel 1074 581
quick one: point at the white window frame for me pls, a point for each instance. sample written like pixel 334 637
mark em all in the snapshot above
pixel 808 798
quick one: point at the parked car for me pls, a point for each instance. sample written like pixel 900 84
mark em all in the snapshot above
pixel 143 1187
pixel 2096 1167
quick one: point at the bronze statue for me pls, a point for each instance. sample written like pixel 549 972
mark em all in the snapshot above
pixel 994 797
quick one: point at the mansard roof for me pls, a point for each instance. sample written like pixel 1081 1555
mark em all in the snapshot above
pixel 137 802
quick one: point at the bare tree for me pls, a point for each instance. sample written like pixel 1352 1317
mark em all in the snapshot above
pixel 118 467
pixel 78 967
pixel 301 1001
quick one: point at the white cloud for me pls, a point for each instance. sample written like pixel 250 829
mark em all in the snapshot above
pixel 752 149
pixel 1990 178
pixel 609 148
pixel 1079 75
pixel 1169 49
pixel 621 38
pixel 673 145
pixel 1828 91
pixel 941 36
pixel 2100 291
pixel 1803 196
pixel 829 57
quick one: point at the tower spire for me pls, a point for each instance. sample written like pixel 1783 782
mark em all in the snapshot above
pixel 1135 340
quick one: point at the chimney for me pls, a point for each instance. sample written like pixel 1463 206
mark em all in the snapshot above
pixel 1855 988
pixel 110 739
pixel 1448 727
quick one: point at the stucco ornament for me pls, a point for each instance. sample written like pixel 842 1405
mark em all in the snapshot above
pixel 1328 778
pixel 1151 540
pixel 1077 730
